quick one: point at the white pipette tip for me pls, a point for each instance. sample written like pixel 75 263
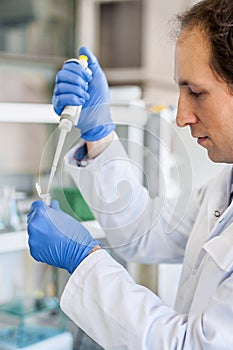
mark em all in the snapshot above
pixel 46 198
pixel 52 174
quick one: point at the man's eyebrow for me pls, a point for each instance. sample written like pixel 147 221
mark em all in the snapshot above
pixel 184 83
pixel 189 83
pixel 181 82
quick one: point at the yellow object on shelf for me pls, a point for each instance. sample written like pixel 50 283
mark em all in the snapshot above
pixel 158 108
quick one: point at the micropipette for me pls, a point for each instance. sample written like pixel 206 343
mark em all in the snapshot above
pixel 69 118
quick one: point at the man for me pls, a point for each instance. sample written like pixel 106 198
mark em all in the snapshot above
pixel 100 296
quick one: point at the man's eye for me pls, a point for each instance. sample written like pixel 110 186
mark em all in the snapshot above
pixel 195 94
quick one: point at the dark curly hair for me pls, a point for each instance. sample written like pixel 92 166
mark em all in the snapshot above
pixel 215 18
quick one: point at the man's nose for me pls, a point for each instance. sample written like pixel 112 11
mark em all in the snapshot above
pixel 185 113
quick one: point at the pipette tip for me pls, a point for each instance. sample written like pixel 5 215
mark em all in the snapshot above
pixel 46 197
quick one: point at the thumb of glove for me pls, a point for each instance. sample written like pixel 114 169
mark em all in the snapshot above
pixel 93 63
pixel 55 205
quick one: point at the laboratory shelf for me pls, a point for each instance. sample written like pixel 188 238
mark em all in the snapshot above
pixel 13 241
pixel 27 113
pixel 131 113
pixel 28 307
pixel 18 240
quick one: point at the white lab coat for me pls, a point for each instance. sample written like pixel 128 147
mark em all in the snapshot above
pixel 102 298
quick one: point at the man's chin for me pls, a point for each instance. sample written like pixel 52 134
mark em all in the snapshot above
pixel 220 159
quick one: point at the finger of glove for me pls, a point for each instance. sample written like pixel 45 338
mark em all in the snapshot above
pixel 60 102
pixel 74 78
pixel 59 221
pixel 65 88
pixel 43 222
pixel 93 63
pixel 35 205
pixel 73 87
pixel 76 68
pixel 38 209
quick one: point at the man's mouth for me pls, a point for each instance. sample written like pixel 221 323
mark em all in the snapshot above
pixel 201 140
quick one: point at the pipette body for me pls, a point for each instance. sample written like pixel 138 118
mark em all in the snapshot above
pixel 65 126
pixel 69 118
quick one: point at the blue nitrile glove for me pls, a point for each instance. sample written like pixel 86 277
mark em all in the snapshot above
pixel 74 87
pixel 56 238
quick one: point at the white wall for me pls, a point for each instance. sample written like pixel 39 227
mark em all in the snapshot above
pixel 158 49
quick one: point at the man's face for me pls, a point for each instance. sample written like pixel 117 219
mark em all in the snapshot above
pixel 205 102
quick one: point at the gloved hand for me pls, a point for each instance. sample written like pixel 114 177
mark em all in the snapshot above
pixel 56 238
pixel 74 87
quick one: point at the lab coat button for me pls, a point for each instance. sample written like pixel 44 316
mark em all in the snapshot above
pixel 217 213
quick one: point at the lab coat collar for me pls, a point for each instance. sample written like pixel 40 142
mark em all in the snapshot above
pixel 218 196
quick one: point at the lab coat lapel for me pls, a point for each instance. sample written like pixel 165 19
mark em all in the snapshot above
pixel 219 194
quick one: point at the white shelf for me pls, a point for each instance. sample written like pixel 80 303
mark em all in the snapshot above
pixel 28 113
pixel 13 241
pixel 134 114
pixel 18 240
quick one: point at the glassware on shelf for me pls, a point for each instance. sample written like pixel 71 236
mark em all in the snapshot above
pixel 9 215
pixel 7 212
pixel 24 322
